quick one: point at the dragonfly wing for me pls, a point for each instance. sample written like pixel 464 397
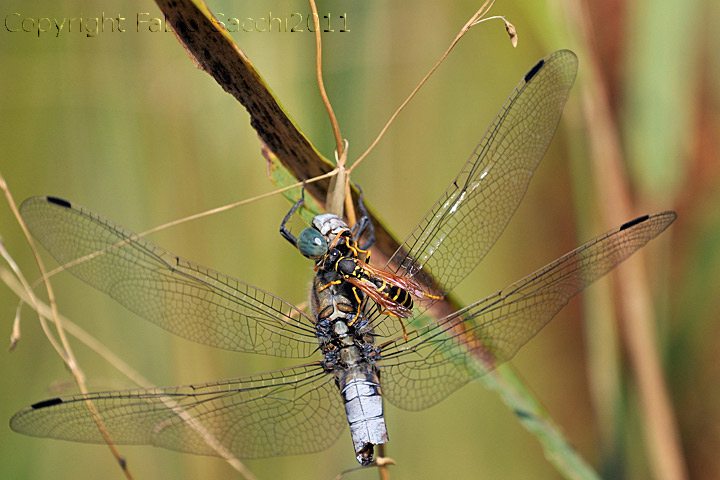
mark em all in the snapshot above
pixel 285 412
pixel 189 300
pixel 443 356
pixel 472 213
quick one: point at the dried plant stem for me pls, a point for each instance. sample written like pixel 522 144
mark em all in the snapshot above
pixel 338 193
pixel 64 351
pixel 382 465
pixel 15 337
pixel 661 435
pixel 339 147
pixel 474 20
pixel 18 285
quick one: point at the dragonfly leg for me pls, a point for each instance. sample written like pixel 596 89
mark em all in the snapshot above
pixel 363 225
pixel 284 231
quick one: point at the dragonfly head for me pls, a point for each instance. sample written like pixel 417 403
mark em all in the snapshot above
pixel 312 244
pixel 313 241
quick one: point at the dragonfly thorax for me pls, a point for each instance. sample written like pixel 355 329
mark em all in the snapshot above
pixel 345 343
pixel 345 336
pixel 330 226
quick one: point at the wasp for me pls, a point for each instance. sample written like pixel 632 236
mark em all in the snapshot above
pixel 336 248
pixel 393 293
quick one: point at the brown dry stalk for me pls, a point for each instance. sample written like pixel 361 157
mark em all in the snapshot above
pixel 65 352
pixel 661 434
pixel 321 84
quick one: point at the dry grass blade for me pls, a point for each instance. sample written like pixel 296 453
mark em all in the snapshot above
pixel 73 329
pixel 25 292
pixel 116 361
pixel 63 349
pixel 180 221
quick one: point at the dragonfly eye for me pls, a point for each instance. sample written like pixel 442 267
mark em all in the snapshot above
pixel 311 243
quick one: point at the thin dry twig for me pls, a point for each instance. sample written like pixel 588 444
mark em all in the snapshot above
pixel 19 287
pixel 339 147
pixel 338 193
pixel 482 11
pixel 382 462
pixel 180 221
pixel 64 350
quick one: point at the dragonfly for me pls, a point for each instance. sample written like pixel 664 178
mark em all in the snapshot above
pixel 354 354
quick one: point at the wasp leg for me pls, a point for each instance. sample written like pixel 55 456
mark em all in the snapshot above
pixel 356 294
pixel 361 303
pixel 356 250
pixel 340 238
pixel 334 282
pixel 367 256
pixel 402 324
pixel 434 297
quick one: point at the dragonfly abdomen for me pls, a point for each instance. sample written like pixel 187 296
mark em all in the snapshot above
pixel 347 346
pixel 360 389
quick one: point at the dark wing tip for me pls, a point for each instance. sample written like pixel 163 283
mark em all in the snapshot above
pixel 665 218
pixel 633 222
pixel 59 201
pixel 534 70
pixel 46 403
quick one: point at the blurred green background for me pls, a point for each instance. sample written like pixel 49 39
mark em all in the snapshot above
pixel 125 125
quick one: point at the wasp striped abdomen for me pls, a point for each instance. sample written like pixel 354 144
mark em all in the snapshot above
pixel 386 289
